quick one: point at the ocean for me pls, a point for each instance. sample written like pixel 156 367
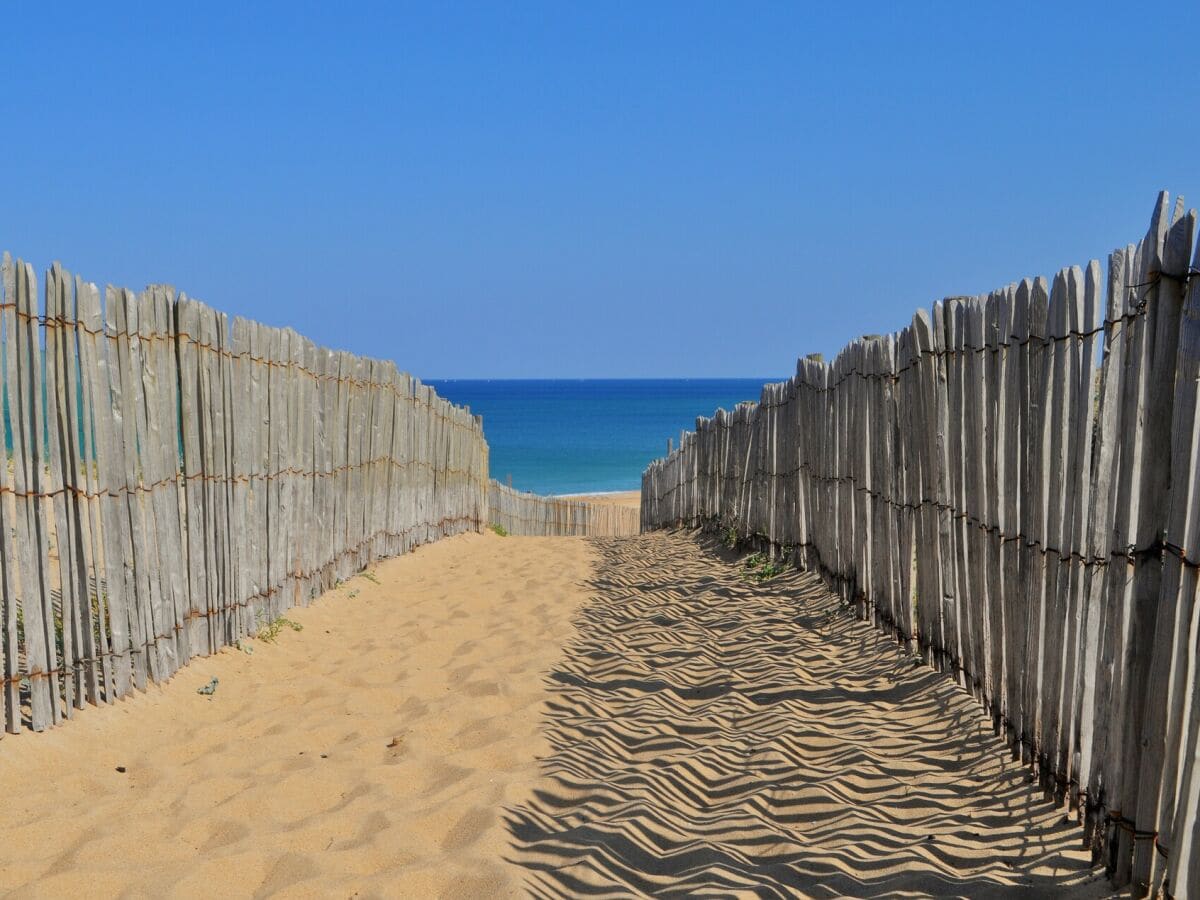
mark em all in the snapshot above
pixel 588 435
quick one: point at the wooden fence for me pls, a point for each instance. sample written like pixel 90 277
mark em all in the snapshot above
pixel 530 514
pixel 174 482
pixel 1009 486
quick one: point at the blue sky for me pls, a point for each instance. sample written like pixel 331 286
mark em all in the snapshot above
pixel 609 189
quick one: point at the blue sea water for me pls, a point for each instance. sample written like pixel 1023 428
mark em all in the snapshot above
pixel 579 436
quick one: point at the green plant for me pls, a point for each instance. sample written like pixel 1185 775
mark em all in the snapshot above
pixel 759 568
pixel 730 537
pixel 770 570
pixel 500 530
pixel 269 631
pixel 370 576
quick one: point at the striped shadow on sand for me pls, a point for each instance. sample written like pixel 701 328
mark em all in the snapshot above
pixel 715 736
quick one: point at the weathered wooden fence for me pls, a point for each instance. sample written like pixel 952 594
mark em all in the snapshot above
pixel 530 514
pixel 173 482
pixel 1009 486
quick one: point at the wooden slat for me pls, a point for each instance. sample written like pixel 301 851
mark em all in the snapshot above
pixel 1010 319
pixel 1130 593
pixel 11 510
pixel 67 619
pixel 187 317
pixel 1163 655
pixel 1084 290
pixel 84 377
pixel 1174 661
pixel 139 468
pixel 963 613
pixel 995 327
pixel 1034 515
pixel 33 520
pixel 110 530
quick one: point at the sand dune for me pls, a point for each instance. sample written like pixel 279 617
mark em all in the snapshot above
pixel 700 735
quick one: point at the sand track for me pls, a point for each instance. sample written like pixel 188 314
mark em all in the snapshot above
pixel 488 716
pixel 714 736
pixel 369 755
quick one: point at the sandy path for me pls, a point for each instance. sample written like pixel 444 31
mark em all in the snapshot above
pixel 285 783
pixel 702 736
pixel 715 737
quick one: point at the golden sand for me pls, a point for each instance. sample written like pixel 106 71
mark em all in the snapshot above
pixel 489 715
pixel 371 752
pixel 631 499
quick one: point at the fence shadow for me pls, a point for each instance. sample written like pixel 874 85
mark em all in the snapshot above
pixel 712 735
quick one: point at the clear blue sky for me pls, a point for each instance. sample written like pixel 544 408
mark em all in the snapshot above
pixel 605 189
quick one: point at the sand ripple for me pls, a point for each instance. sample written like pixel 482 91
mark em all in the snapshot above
pixel 702 737
pixel 714 737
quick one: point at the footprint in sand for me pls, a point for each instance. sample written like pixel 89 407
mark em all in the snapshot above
pixel 478 734
pixel 463 672
pixel 412 709
pixel 468 828
pixel 223 833
pixel 289 869
pixel 481 689
pixel 373 825
pixel 443 776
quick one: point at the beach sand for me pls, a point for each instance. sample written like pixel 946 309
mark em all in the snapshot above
pixel 631 499
pixel 370 754
pixel 719 736
pixel 554 714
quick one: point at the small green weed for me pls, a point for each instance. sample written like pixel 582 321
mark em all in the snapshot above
pixel 758 567
pixel 269 631
pixel 500 530
pixel 370 576
pixel 730 537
